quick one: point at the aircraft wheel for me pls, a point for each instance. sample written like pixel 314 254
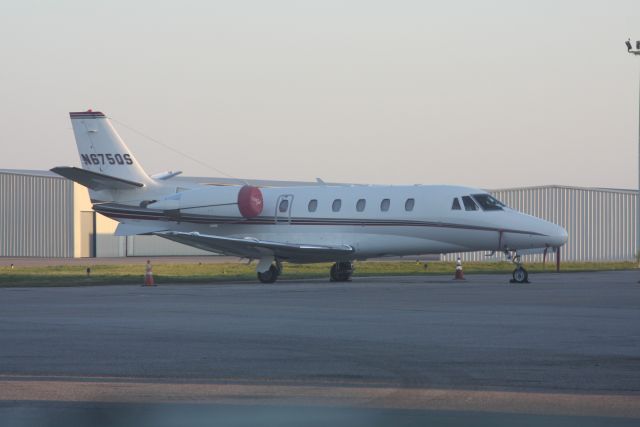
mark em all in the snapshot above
pixel 520 275
pixel 341 271
pixel 271 275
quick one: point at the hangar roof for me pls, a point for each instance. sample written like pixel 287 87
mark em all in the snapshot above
pixel 186 180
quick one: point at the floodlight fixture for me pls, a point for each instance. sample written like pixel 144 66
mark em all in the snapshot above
pixel 630 48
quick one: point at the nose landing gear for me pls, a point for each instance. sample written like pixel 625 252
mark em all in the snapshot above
pixel 520 274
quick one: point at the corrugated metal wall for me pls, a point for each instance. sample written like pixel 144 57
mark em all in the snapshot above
pixel 157 246
pixel 601 223
pixel 36 219
pixel 36 216
pixel 109 245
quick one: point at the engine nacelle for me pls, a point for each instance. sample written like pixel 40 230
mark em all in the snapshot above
pixel 250 201
pixel 212 200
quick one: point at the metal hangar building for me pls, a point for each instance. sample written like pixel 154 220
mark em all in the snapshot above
pixel 45 215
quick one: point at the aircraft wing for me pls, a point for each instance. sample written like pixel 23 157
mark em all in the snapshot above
pixel 254 248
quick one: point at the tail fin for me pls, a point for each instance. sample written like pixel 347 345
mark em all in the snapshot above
pixel 101 149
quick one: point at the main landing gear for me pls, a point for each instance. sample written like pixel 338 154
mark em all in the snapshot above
pixel 272 274
pixel 520 274
pixel 341 271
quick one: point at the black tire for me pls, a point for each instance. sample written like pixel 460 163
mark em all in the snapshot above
pixel 269 276
pixel 341 272
pixel 333 273
pixel 520 275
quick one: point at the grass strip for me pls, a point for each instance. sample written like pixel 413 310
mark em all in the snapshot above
pixel 234 272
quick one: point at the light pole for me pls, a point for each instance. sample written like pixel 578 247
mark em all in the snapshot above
pixel 636 52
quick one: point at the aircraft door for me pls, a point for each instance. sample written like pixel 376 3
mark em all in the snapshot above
pixel 283 209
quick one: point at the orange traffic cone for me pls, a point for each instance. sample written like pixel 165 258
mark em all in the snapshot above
pixel 148 275
pixel 459 273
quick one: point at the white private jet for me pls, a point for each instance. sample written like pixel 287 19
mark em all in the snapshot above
pixel 298 223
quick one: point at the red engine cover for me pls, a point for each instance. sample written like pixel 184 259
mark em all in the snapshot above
pixel 250 201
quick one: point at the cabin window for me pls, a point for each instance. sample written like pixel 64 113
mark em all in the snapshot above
pixel 337 204
pixel 360 205
pixel 313 205
pixel 469 204
pixel 384 205
pixel 284 205
pixel 408 205
pixel 456 205
pixel 488 202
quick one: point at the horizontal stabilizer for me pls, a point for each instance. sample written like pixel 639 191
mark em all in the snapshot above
pixel 95 180
pixel 166 175
pixel 253 248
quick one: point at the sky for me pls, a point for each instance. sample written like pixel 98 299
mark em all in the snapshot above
pixel 489 94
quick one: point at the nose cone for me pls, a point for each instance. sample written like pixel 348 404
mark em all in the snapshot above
pixel 534 233
pixel 554 235
pixel 560 236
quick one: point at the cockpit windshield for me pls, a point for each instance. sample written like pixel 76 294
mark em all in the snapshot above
pixel 488 203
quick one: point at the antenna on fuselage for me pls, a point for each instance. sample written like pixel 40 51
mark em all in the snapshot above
pixel 177 151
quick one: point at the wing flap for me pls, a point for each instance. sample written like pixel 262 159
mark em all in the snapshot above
pixel 94 180
pixel 253 248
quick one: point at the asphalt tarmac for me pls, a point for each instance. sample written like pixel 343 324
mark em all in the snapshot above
pixel 563 350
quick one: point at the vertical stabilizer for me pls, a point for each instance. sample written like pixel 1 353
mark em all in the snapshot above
pixel 102 150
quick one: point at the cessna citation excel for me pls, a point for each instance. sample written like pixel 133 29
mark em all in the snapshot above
pixel 298 223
